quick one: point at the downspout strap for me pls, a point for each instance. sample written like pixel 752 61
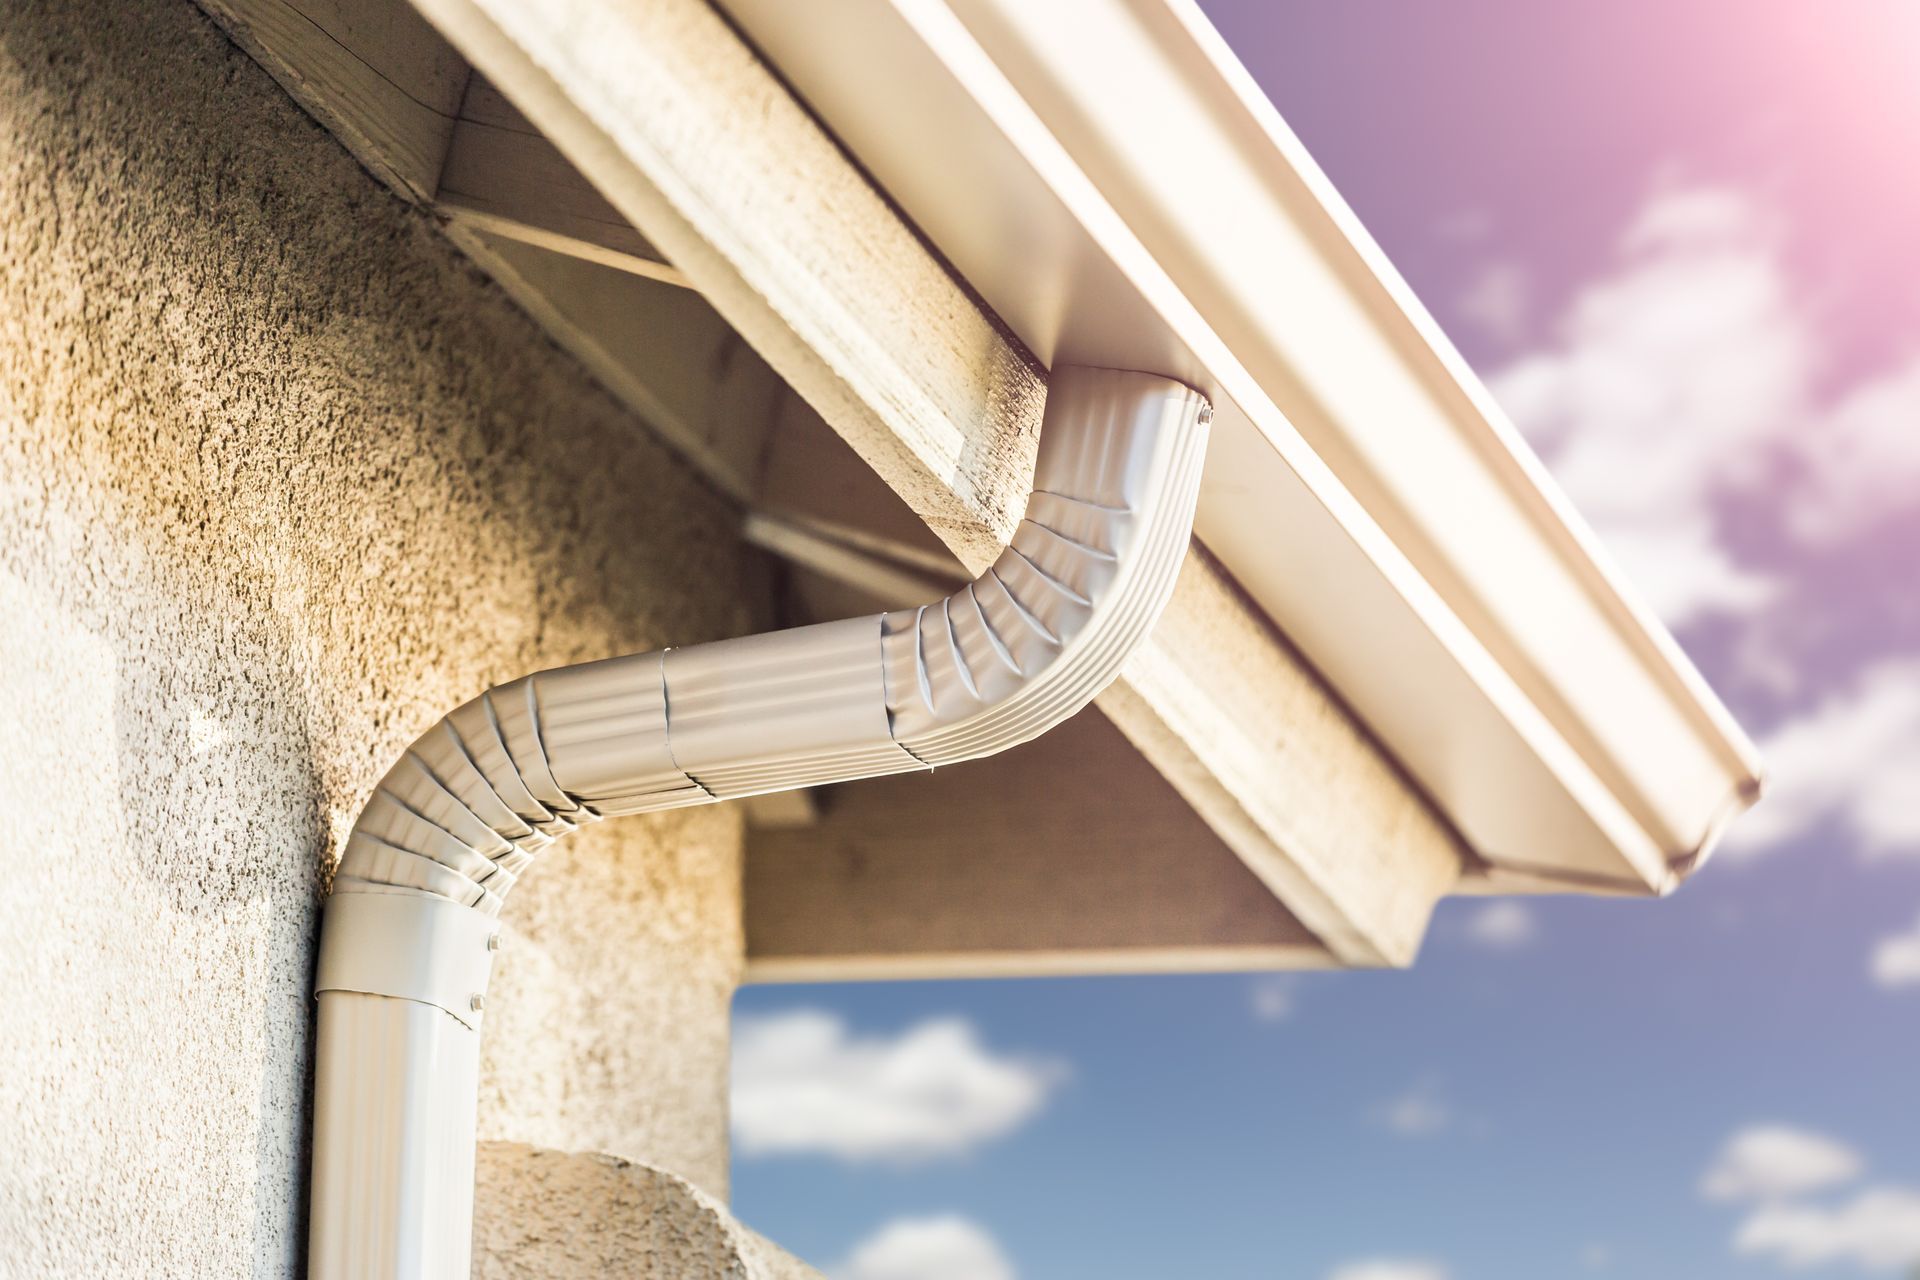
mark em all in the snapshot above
pixel 409 946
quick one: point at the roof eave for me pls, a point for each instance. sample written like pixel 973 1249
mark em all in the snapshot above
pixel 1364 487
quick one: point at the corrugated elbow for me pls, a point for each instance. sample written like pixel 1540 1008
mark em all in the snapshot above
pixel 409 933
pixel 998 662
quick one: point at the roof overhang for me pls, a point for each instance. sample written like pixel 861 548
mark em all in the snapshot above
pixel 1111 181
pixel 824 252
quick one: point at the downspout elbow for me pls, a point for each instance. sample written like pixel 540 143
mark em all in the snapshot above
pixel 1085 576
pixel 410 929
pixel 1000 661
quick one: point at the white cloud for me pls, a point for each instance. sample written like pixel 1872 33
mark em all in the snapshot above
pixel 803 1084
pixel 946 1247
pixel 1420 1112
pixel 1896 959
pixel 1877 1230
pixel 1852 759
pixel 1503 925
pixel 1389 1269
pixel 1687 377
pixel 1677 567
pixel 1668 374
pixel 1863 458
pixel 1274 996
pixel 1771 1162
pixel 1778 1169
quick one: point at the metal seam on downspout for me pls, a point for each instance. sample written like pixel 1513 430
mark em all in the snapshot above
pixel 409 930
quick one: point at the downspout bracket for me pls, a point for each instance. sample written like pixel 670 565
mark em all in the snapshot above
pixel 409 946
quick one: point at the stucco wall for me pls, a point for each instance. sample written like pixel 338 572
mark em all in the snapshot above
pixel 281 480
pixel 539 1215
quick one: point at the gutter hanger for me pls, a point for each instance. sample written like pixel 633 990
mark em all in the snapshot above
pixel 410 929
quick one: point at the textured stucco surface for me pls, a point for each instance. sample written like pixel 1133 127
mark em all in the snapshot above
pixel 282 479
pixel 541 1214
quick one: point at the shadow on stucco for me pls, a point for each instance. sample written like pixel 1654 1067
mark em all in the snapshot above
pixel 301 480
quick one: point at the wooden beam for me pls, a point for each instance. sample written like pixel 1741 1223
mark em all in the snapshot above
pixel 373 72
pixel 669 356
pixel 661 349
pixel 409 108
pixel 674 119
pixel 811 478
pixel 677 123
pixel 501 175
pixel 886 583
pixel 1067 855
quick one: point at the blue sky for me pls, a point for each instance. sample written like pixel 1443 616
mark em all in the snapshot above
pixel 1677 240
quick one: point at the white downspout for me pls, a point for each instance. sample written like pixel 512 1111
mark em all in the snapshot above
pixel 410 929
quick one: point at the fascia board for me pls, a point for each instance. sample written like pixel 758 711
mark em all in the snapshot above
pixel 1122 199
pixel 1595 653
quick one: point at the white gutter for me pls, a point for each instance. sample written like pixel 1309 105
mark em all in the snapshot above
pixel 1362 486
pixel 410 929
